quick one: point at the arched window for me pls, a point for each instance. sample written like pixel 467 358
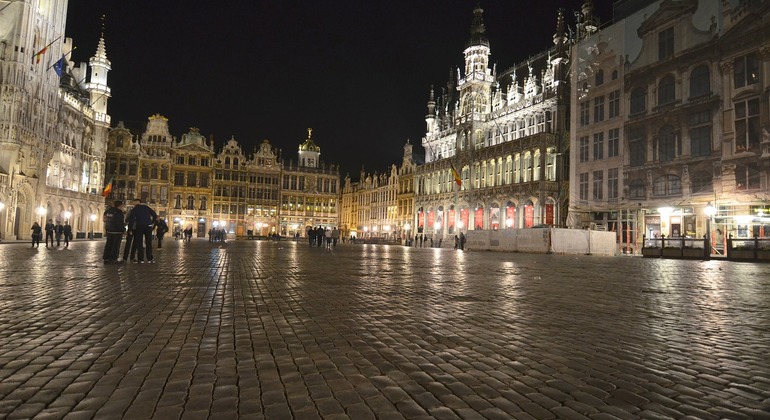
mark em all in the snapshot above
pixel 666 90
pixel 667 185
pixel 636 189
pixel 599 78
pixel 700 83
pixel 614 75
pixel 178 201
pixel 203 203
pixel 190 203
pixel 638 102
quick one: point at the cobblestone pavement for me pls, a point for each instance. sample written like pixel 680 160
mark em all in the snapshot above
pixel 271 330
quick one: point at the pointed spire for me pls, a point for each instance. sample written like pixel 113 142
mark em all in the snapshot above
pixel 478 36
pixel 101 50
pixel 560 37
pixel 431 102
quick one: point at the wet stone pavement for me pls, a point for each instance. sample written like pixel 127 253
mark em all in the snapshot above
pixel 271 330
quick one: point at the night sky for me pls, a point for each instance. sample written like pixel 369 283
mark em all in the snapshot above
pixel 357 72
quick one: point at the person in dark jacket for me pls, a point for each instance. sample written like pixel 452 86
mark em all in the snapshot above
pixel 143 217
pixel 37 233
pixel 49 230
pixel 161 227
pixel 114 226
pixel 59 230
pixel 67 231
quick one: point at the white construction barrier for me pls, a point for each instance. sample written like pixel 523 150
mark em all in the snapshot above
pixel 543 241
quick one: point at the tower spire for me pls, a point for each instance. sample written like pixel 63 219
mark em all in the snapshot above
pixel 478 35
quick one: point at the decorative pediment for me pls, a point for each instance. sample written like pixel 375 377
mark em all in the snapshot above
pixel 668 12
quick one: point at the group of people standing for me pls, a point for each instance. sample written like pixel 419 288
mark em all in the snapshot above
pixel 319 236
pixel 52 231
pixel 139 225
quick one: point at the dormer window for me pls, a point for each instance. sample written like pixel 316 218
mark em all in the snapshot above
pixel 599 78
pixel 666 44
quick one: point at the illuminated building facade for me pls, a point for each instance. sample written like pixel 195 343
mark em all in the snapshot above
pixel 670 123
pixel 380 205
pixel 53 123
pixel 503 135
pixel 309 191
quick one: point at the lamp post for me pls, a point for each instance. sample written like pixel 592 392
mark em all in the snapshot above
pixel 93 220
pixel 710 211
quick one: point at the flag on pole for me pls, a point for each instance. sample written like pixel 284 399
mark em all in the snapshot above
pixel 456 176
pixel 108 188
pixel 39 54
pixel 58 66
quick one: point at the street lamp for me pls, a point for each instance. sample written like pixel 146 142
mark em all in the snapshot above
pixel 41 211
pixel 93 220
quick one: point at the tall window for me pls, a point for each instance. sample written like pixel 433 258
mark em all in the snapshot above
pixel 700 83
pixel 638 101
pixel 613 142
pixel 637 146
pixel 637 190
pixel 584 113
pixel 598 185
pixel 700 182
pixel 666 44
pixel 179 178
pixel 747 176
pixel 667 185
pixel 667 144
pixel 203 203
pixel 745 70
pixel 666 90
pixel 599 109
pixel 178 201
pixel 584 186
pixel 612 183
pixel 700 134
pixel 192 179
pixel 598 146
pixel 190 203
pixel 599 78
pixel 584 149
pixel 614 105
pixel 747 131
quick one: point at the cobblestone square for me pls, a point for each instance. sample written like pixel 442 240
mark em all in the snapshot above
pixel 279 330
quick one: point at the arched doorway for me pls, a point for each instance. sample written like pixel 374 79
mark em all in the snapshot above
pixel 451 220
pixel 478 217
pixel 550 211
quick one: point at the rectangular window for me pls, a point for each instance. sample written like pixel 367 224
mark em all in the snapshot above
pixel 598 185
pixel 584 186
pixel 700 141
pixel 599 109
pixel 612 183
pixel 191 160
pixel 584 113
pixel 613 143
pixel 179 178
pixel 747 176
pixel 180 160
pixel 614 106
pixel 204 180
pixel 598 146
pixel 584 149
pixel 747 131
pixel 192 179
pixel 666 44
pixel 637 147
pixel 745 70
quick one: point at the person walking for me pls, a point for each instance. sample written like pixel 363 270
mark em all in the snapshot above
pixel 49 232
pixel 67 231
pixel 328 236
pixel 37 233
pixel 114 226
pixel 310 235
pixel 144 219
pixel 59 230
pixel 335 236
pixel 161 227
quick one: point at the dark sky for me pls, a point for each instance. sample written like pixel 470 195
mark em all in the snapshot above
pixel 358 72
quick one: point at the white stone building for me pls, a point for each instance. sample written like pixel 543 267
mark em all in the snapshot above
pixel 53 123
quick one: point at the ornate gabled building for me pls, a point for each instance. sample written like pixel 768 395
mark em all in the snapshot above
pixel 190 194
pixel 246 190
pixel 309 191
pixel 669 105
pixel 494 143
pixel 380 205
pixel 191 185
pixel 53 124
